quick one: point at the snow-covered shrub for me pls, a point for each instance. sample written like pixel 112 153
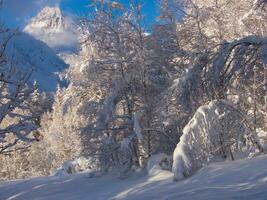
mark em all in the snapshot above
pixel 262 135
pixel 61 130
pixel 72 167
pixel 125 156
pixel 216 131
pixel 158 162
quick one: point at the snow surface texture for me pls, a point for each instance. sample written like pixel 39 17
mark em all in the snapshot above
pixel 202 140
pixel 243 179
pixel 37 56
pixel 55 29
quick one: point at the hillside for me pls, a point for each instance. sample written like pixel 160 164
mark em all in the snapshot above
pixel 40 58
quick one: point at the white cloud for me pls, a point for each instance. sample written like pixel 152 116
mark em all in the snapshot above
pixel 18 13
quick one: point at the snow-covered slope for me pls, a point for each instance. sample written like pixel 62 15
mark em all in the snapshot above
pixel 55 29
pixel 244 179
pixel 28 53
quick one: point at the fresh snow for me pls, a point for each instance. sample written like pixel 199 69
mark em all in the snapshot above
pixel 73 167
pixel 191 152
pixel 158 161
pixel 202 141
pixel 243 179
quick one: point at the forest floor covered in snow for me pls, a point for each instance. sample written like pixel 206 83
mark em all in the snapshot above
pixel 244 179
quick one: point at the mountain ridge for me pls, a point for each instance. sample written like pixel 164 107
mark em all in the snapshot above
pixel 54 28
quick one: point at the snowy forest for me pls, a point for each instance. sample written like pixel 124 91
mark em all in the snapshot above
pixel 104 94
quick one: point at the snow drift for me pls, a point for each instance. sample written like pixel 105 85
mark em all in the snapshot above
pixel 158 162
pixel 243 179
pixel 75 166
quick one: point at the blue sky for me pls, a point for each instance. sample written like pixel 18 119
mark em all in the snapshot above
pixel 16 13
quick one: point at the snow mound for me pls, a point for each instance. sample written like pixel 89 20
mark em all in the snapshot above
pixel 72 167
pixel 158 162
pixel 215 132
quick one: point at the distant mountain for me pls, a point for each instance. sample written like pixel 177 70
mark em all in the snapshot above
pixel 27 53
pixel 55 29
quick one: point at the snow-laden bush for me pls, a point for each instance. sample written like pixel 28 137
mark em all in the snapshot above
pixel 216 131
pixel 158 162
pixel 125 157
pixel 72 167
pixel 262 135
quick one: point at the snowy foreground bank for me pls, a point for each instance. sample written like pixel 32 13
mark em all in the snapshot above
pixel 245 179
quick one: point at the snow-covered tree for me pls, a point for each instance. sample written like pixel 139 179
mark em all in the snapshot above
pixel 216 55
pixel 217 131
pixel 19 113
pixel 14 93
